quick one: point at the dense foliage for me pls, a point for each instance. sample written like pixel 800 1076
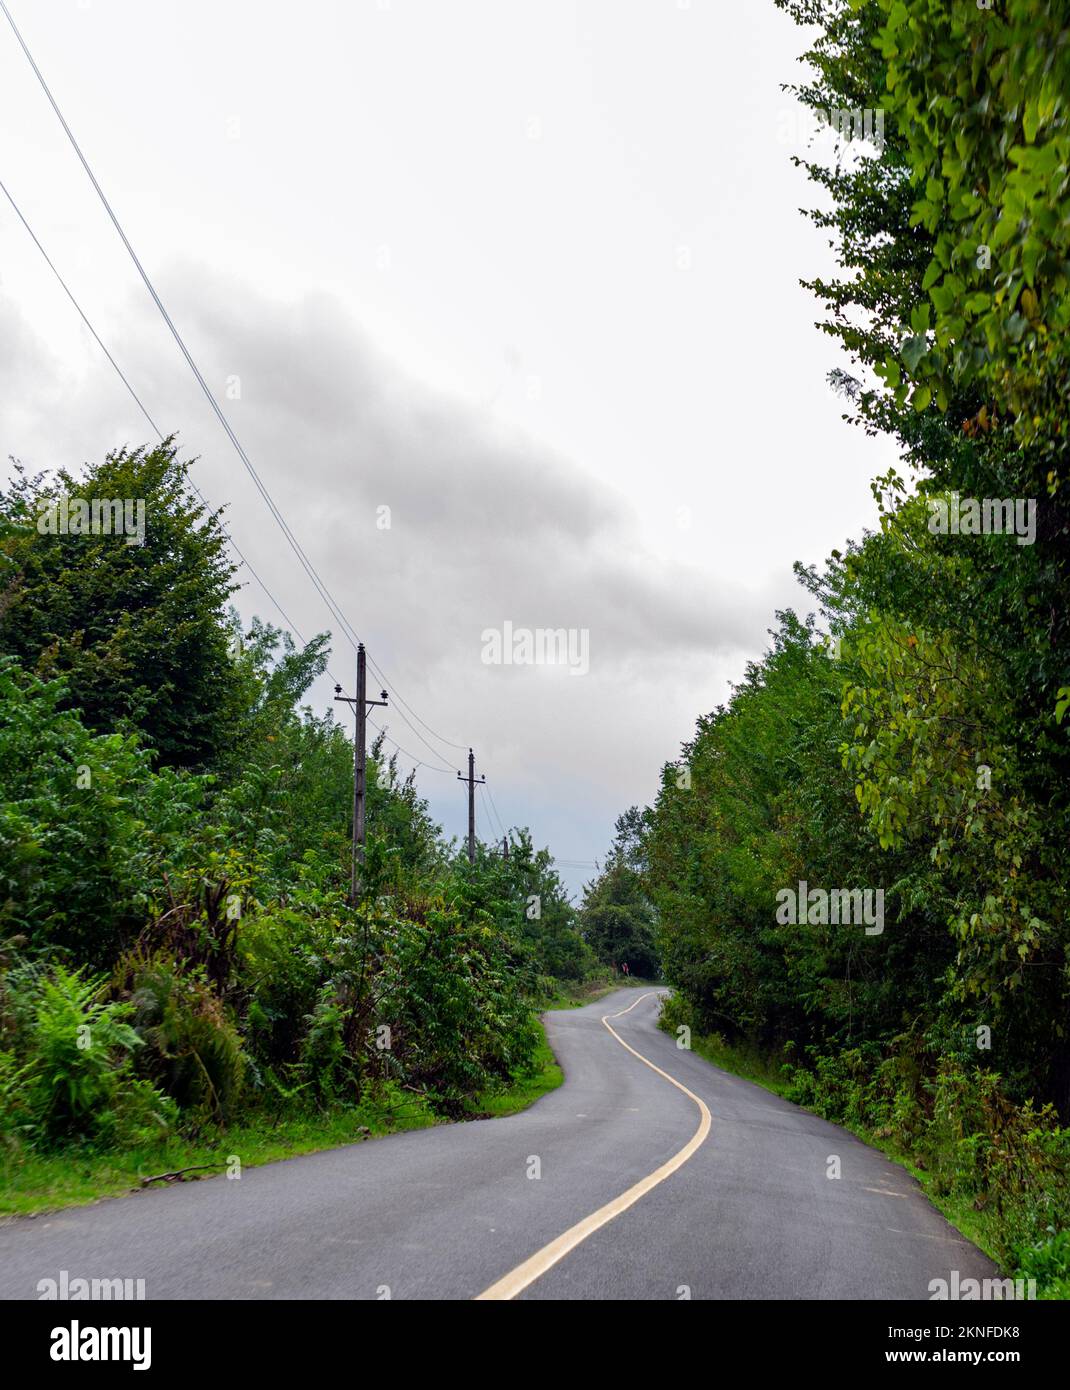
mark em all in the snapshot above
pixel 915 742
pixel 616 915
pixel 177 948
pixel 134 626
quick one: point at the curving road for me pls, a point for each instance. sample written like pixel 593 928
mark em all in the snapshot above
pixel 736 1204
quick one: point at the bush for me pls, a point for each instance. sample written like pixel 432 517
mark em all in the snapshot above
pixel 191 1048
pixel 85 824
pixel 1009 1161
pixel 76 1081
pixel 325 1064
pixel 452 998
pixel 283 961
pixel 1048 1262
pixel 15 1120
pixel 676 1012
pixel 80 1049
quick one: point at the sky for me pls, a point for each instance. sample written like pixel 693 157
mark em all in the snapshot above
pixel 502 299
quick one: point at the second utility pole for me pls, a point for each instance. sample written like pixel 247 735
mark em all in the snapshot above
pixel 473 781
pixel 360 705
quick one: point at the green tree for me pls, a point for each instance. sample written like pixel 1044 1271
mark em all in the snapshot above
pixel 137 632
pixel 616 917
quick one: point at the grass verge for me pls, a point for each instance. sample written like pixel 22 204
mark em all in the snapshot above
pixel 526 1087
pixel 575 996
pixel 34 1183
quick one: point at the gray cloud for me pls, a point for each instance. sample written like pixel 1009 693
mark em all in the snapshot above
pixel 486 523
pixel 489 213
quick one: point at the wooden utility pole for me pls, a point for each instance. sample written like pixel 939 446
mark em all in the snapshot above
pixel 360 741
pixel 505 848
pixel 473 781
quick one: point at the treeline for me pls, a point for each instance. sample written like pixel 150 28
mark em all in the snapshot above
pixel 177 950
pixel 909 739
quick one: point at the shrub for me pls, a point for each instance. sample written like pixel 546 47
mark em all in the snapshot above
pixel 325 1063
pixel 192 1049
pixel 15 1120
pixel 1009 1161
pixel 283 962
pixel 77 1081
pixel 1048 1262
pixel 80 1048
pixel 453 1000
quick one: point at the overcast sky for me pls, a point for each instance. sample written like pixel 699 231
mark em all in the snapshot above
pixel 525 272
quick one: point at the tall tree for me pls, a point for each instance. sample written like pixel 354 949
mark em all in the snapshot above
pixel 134 625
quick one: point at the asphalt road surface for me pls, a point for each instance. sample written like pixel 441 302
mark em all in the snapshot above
pixel 728 1196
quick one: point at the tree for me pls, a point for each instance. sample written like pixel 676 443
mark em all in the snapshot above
pixel 138 631
pixel 617 919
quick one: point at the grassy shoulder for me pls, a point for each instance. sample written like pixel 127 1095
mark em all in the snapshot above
pixel 575 996
pixel 526 1086
pixel 751 1064
pixel 32 1183
pixel 742 1061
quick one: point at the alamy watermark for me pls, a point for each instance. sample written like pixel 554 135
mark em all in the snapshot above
pixel 65 1289
pixel 78 1343
pixel 97 516
pixel 991 516
pixel 970 1290
pixel 858 123
pixel 540 646
pixel 800 124
pixel 819 907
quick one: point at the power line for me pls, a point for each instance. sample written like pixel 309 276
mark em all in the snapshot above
pixel 501 823
pixel 483 815
pixel 492 814
pixel 66 288
pixel 382 676
pixel 136 398
pixel 321 588
pixel 411 756
pixel 487 810
pixel 448 742
pixel 292 626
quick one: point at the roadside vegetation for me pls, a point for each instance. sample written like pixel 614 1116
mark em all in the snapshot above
pixel 910 736
pixel 47 1178
pixel 182 974
pixel 182 977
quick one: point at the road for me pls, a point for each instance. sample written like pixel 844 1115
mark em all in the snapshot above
pixel 462 1211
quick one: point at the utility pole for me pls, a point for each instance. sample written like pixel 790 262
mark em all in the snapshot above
pixel 473 781
pixel 360 706
pixel 505 848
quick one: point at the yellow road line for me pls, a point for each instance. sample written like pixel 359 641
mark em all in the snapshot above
pixel 518 1279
